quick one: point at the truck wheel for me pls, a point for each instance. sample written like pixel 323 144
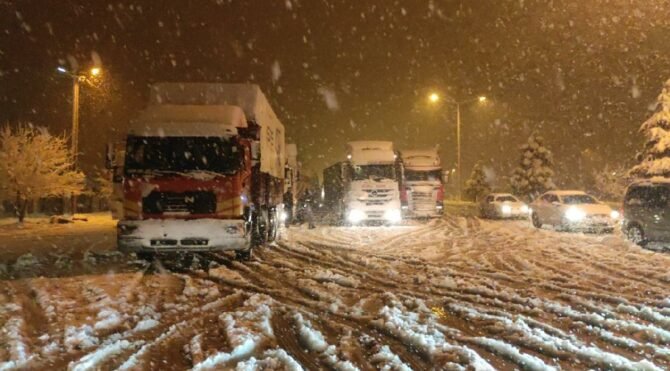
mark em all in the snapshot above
pixel 260 228
pixel 273 225
pixel 244 255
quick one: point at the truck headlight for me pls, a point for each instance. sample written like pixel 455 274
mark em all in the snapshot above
pixel 283 216
pixel 525 209
pixel 574 214
pixel 614 214
pixel 393 215
pixel 506 209
pixel 355 216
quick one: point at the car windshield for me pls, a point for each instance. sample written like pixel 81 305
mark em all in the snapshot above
pixel 506 199
pixel 181 154
pixel 417 175
pixel 373 172
pixel 578 199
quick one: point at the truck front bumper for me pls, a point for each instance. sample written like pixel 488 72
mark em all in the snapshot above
pixel 169 235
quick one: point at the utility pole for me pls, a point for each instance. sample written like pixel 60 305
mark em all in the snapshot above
pixel 458 149
pixel 77 79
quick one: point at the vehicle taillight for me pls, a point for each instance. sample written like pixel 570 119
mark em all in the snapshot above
pixel 403 195
pixel 440 192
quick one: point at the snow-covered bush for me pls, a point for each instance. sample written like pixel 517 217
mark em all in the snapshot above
pixel 478 185
pixel 655 156
pixel 534 174
pixel 35 164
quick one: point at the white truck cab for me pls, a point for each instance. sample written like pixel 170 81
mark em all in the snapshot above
pixel 373 193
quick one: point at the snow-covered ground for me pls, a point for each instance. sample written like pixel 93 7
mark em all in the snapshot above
pixel 456 293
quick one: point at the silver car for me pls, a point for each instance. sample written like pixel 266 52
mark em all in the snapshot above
pixel 502 205
pixel 573 210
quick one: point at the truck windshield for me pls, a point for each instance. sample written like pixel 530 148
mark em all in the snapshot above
pixel 182 154
pixel 374 172
pixel 416 176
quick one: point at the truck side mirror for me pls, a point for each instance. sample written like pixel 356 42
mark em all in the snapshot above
pixel 445 176
pixel 110 159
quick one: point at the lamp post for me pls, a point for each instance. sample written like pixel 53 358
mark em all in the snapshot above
pixel 77 79
pixel 434 98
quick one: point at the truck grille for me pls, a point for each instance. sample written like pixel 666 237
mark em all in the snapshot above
pixel 378 196
pixel 422 196
pixel 199 202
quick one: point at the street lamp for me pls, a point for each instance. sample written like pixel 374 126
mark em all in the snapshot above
pixel 77 78
pixel 434 98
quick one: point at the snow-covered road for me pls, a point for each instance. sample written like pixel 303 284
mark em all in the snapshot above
pixel 455 293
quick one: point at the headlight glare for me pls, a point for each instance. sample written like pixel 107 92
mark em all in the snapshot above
pixel 574 214
pixel 614 214
pixel 355 216
pixel 506 209
pixel 393 215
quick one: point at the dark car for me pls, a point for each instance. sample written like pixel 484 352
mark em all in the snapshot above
pixel 646 211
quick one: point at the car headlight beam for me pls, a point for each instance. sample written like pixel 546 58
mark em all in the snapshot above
pixel 574 214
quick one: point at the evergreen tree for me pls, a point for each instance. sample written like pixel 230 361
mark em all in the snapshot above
pixel 477 186
pixel 655 156
pixel 534 174
pixel 35 164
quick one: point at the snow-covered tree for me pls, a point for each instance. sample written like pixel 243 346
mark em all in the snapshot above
pixel 611 183
pixel 478 185
pixel 534 174
pixel 655 156
pixel 35 164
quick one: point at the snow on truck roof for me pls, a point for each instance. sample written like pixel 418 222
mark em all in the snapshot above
pixel 426 159
pixel 247 96
pixel 369 152
pixel 188 120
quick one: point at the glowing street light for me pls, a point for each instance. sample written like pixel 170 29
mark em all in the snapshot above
pixel 434 98
pixel 77 78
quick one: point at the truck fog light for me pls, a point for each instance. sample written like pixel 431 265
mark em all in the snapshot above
pixel 393 215
pixel 356 216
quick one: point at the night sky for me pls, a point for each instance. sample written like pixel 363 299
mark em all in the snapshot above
pixel 584 73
